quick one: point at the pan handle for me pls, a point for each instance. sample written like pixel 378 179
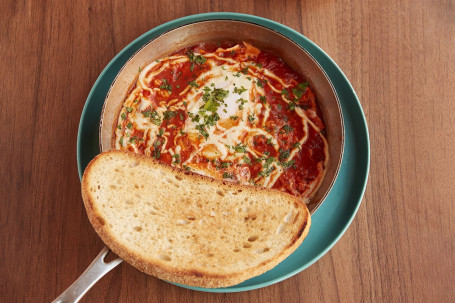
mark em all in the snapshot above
pixel 91 275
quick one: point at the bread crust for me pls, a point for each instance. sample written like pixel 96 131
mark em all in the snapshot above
pixel 198 277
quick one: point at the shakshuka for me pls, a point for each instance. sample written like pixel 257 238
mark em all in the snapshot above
pixel 230 111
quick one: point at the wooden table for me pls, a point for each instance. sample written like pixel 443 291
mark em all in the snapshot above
pixel 400 59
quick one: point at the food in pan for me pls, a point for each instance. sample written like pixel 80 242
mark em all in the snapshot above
pixel 186 228
pixel 229 111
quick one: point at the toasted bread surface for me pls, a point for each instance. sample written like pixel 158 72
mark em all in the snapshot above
pixel 187 228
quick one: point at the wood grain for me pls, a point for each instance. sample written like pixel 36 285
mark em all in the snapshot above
pixel 400 59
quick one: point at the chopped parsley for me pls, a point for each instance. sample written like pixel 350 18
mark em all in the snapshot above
pixel 242 101
pixel 199 59
pixel 168 115
pixel 227 175
pixel 284 92
pixel 233 117
pixel 166 85
pixel 284 154
pixel 202 130
pixel 292 105
pixel 287 128
pixel 176 158
pixel 156 151
pixel 226 164
pixel 246 160
pixel 297 145
pixel 300 90
pixel 263 99
pixel 153 115
pixel 123 115
pixel 239 90
pixel 270 141
pixel 259 83
pixel 244 71
pixel 240 148
pixel 161 132
pixel 129 125
pixel 251 118
pixel 287 164
pixel 193 84
pixel 119 126
pixel 121 141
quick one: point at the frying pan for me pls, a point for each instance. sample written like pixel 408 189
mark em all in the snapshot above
pixel 217 30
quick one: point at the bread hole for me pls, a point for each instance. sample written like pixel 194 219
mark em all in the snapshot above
pixel 246 245
pixel 239 191
pixel 295 218
pixel 280 228
pixel 153 213
pixel 288 217
pixel 210 255
pixel 136 186
pixel 191 218
pixel 129 202
pixel 135 215
pixel 253 217
pixel 101 220
pixel 262 250
pixel 134 164
pixel 178 177
pixel 170 240
pixel 138 228
pixel 116 170
pixel 99 187
pixel 165 258
pixel 156 208
pixel 220 192
pixel 236 249
pixel 252 238
pixel 246 199
pixel 295 205
pixel 112 186
pixel 142 186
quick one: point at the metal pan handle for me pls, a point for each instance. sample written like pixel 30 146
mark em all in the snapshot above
pixel 89 277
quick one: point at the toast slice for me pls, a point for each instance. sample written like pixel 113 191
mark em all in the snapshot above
pixel 187 228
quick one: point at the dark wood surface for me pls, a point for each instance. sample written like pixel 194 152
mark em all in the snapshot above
pixel 400 59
